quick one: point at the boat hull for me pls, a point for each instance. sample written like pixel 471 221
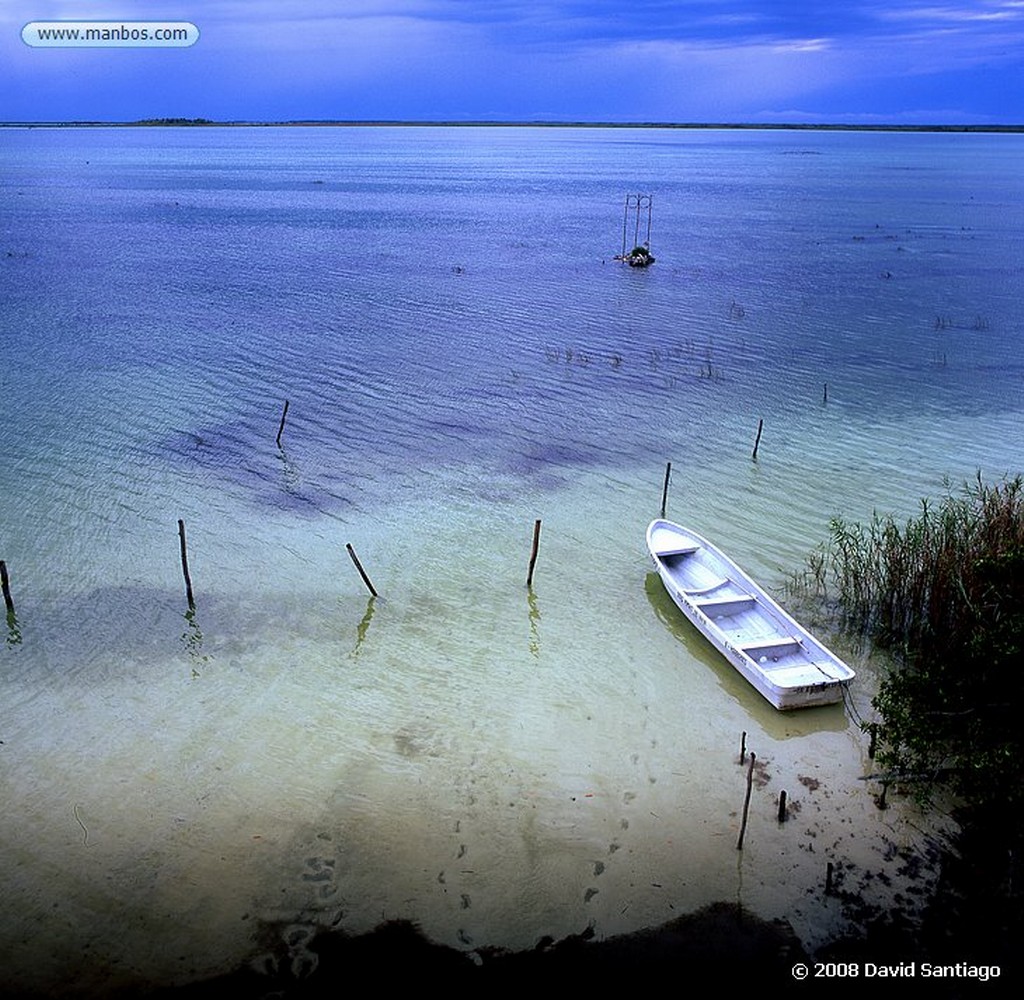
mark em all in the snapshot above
pixel 787 665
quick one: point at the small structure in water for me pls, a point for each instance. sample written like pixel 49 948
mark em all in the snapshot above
pixel 634 209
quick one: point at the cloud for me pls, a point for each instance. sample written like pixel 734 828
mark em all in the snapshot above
pixel 698 59
pixel 688 78
pixel 956 13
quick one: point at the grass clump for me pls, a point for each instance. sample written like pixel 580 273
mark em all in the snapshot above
pixel 945 593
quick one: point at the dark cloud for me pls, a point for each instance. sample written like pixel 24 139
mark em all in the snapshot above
pixel 598 60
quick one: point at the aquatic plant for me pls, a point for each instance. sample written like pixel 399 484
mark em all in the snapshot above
pixel 978 324
pixel 945 593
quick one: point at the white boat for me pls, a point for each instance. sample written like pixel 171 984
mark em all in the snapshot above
pixel 786 664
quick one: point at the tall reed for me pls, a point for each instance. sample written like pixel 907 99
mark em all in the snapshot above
pixel 945 592
pixel 913 585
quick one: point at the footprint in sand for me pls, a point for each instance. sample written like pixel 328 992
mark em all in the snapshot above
pixel 321 870
pixel 321 873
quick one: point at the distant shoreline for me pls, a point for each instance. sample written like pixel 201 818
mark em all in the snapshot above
pixel 398 123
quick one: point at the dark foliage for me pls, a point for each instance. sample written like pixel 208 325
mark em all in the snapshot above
pixel 945 593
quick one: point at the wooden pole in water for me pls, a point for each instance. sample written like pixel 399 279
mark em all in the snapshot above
pixel 280 429
pixel 625 216
pixel 362 572
pixel 824 395
pixel 533 552
pixel 5 582
pixel 743 747
pixel 664 492
pixel 782 806
pixel 746 801
pixel 184 564
pixel 757 440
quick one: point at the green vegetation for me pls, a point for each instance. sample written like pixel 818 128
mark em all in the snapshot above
pixel 174 121
pixel 945 593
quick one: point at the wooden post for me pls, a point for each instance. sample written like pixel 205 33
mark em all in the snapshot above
pixel 782 806
pixel 664 492
pixel 184 565
pixel 757 440
pixel 5 583
pixel 362 572
pixel 824 396
pixel 625 216
pixel 280 429
pixel 533 553
pixel 746 801
pixel 743 747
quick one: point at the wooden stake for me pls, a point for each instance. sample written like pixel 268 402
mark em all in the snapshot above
pixel 757 440
pixel 746 801
pixel 743 747
pixel 824 396
pixel 533 553
pixel 782 806
pixel 280 429
pixel 362 572
pixel 184 565
pixel 664 492
pixel 6 585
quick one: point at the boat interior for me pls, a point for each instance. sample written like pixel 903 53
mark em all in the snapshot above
pixel 748 624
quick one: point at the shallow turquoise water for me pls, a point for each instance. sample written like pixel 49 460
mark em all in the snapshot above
pixel 461 356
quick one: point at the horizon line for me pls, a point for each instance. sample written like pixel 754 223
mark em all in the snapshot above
pixel 173 122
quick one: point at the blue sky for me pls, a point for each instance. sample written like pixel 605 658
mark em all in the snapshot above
pixel 848 61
